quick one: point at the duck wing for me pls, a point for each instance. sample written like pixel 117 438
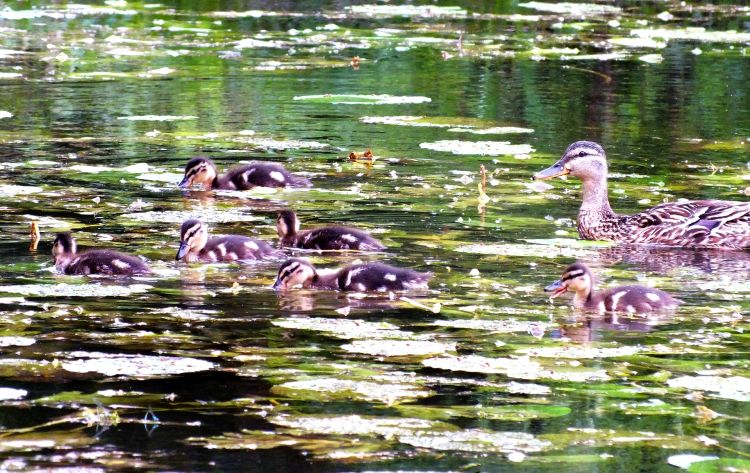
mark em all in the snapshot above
pixel 704 223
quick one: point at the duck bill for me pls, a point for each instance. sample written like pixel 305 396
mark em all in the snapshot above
pixel 277 285
pixel 184 183
pixel 555 170
pixel 556 288
pixel 182 251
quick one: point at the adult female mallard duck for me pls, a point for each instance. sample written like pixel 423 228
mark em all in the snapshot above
pixel 196 246
pixel 577 278
pixel 108 262
pixel 299 273
pixel 322 238
pixel 698 224
pixel 202 171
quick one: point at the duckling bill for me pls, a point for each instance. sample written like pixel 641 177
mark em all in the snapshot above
pixel 202 171
pixel 578 279
pixel 107 262
pixel 299 273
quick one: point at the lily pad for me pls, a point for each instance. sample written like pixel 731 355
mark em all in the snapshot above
pixel 353 99
pixel 333 388
pixel 480 148
pixel 7 394
pixel 390 348
pixel 477 440
pixel 515 368
pixel 137 366
pixel 75 290
pixel 733 387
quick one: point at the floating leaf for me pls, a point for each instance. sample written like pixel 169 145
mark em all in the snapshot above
pixel 481 148
pixel 333 388
pixel 132 365
pixel 352 99
pixel 398 347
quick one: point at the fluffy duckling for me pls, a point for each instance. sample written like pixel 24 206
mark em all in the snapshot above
pixel 577 278
pixel 196 246
pixel 109 262
pixel 256 174
pixel 299 273
pixel 322 238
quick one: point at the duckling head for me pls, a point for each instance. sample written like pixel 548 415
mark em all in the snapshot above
pixel 585 160
pixel 199 171
pixel 295 273
pixel 576 278
pixel 193 238
pixel 287 224
pixel 64 244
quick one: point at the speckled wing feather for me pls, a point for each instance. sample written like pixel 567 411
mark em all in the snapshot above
pixel 701 223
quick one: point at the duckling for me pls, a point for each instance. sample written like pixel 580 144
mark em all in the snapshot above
pixel 110 262
pixel 577 278
pixel 196 246
pixel 202 171
pixel 689 224
pixel 299 273
pixel 322 238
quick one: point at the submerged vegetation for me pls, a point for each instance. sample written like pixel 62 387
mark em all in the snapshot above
pixel 204 367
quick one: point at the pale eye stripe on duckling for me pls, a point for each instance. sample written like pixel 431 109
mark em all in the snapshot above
pixel 573 274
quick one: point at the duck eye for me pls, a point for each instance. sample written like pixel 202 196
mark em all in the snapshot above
pixel 581 154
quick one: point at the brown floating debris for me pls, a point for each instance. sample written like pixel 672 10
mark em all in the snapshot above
pixel 35 235
pixel 483 198
pixel 367 155
pixel 355 62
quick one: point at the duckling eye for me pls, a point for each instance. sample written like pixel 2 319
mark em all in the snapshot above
pixel 581 154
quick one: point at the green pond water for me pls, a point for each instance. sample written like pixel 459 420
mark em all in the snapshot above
pixel 206 368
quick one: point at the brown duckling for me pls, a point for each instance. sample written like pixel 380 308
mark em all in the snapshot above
pixel 196 246
pixel 202 171
pixel 108 262
pixel 322 238
pixel 577 278
pixel 299 273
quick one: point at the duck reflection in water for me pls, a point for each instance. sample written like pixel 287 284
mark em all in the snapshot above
pixel 327 302
pixel 585 328
pixel 733 265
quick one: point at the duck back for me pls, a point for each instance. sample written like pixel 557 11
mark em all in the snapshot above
pixel 337 238
pixel 380 277
pixel 632 299
pixel 108 262
pixel 235 247
pixel 260 174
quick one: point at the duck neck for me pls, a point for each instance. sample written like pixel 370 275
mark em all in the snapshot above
pixel 62 261
pixel 582 298
pixel 595 196
pixel 326 279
